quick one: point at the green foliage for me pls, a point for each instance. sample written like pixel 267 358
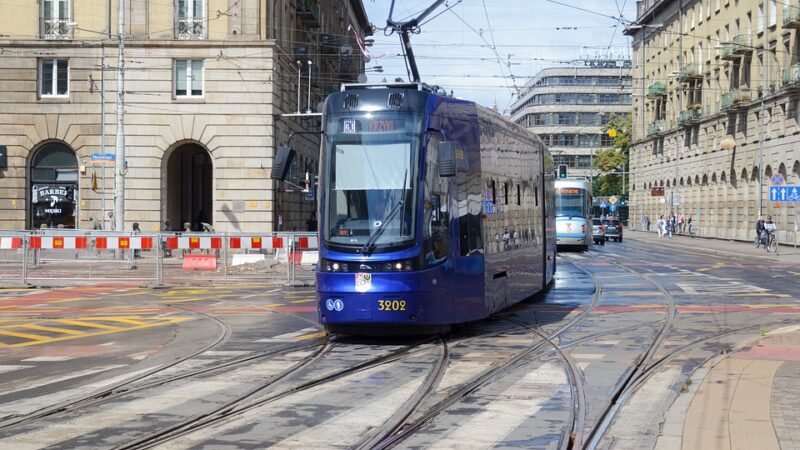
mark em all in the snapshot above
pixel 613 159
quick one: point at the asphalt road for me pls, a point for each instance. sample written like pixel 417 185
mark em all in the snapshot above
pixel 598 361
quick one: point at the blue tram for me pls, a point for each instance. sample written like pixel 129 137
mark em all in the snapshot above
pixel 433 211
pixel 574 212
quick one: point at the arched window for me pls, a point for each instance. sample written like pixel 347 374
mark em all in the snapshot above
pixel 54 185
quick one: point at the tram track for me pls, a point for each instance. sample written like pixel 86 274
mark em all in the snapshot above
pixel 223 335
pixel 648 364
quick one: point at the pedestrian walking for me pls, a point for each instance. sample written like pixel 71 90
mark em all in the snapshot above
pixel 759 230
pixel 647 222
pixel 689 225
pixel 680 223
pixel 660 226
pixel 669 224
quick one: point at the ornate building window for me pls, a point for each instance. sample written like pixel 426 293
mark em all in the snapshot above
pixel 55 19
pixel 190 19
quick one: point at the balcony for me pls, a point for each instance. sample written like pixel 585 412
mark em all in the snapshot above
pixel 308 12
pixel 657 127
pixel 690 72
pixel 790 77
pixel 56 29
pixel 656 89
pixel 735 99
pixel 189 28
pixel 690 116
pixel 739 46
pixel 791 17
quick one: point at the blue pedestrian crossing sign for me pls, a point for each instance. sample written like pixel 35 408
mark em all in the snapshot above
pixel 603 205
pixel 786 193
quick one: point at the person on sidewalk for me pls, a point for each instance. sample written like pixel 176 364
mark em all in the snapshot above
pixel 669 225
pixel 689 225
pixel 759 230
pixel 660 226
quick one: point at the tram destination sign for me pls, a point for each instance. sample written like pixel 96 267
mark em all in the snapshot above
pixel 657 191
pixel 788 193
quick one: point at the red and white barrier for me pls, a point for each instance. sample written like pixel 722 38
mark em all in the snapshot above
pixel 256 242
pixel 10 243
pixel 306 242
pixel 124 242
pixel 57 242
pixel 194 243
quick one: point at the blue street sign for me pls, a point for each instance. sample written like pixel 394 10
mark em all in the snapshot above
pixel 787 193
pixel 103 157
pixel 603 205
pixel 612 208
pixel 488 207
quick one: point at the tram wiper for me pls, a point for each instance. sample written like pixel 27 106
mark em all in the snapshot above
pixel 370 244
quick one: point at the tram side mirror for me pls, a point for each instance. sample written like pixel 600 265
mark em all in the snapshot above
pixel 281 163
pixel 447 159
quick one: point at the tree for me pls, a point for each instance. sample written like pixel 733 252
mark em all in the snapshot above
pixel 611 161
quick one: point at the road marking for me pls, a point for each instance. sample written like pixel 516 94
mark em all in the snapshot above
pixel 589 356
pixel 88 322
pixel 12 368
pixel 50 329
pixel 49 358
pixel 33 383
pixel 303 301
pixel 31 337
pixel 290 336
pixel 500 417
pixel 312 336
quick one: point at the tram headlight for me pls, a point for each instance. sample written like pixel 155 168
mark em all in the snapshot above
pixel 333 266
pixel 405 265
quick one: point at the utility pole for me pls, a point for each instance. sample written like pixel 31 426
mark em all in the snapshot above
pixel 119 165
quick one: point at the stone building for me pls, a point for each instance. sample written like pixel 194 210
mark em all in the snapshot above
pixel 569 106
pixel 715 113
pixel 207 84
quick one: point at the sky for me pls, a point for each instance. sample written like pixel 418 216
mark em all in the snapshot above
pixel 482 49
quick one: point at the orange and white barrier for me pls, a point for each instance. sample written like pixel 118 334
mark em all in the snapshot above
pixel 57 242
pixel 194 243
pixel 124 242
pixel 256 242
pixel 10 243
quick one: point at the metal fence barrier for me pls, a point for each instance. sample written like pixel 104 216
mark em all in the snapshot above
pixel 83 255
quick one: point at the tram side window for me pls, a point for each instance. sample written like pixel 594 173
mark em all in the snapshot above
pixel 436 217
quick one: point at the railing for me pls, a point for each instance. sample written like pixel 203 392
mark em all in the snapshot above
pixel 56 29
pixel 738 46
pixel 659 126
pixel 187 28
pixel 689 71
pixel 790 76
pixel 735 98
pixel 689 116
pixel 656 89
pixel 791 17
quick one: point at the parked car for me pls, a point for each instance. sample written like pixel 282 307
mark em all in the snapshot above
pixel 598 232
pixel 613 229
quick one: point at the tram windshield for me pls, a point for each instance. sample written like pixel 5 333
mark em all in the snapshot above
pixel 370 164
pixel 572 202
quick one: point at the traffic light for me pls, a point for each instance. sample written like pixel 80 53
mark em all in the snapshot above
pixel 622 200
pixel 562 171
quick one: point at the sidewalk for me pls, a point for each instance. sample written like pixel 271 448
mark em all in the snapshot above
pixel 750 398
pixel 786 254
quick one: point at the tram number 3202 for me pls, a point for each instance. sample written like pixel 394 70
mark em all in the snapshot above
pixel 391 305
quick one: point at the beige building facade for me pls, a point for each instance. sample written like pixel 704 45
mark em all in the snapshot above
pixel 716 86
pixel 207 87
